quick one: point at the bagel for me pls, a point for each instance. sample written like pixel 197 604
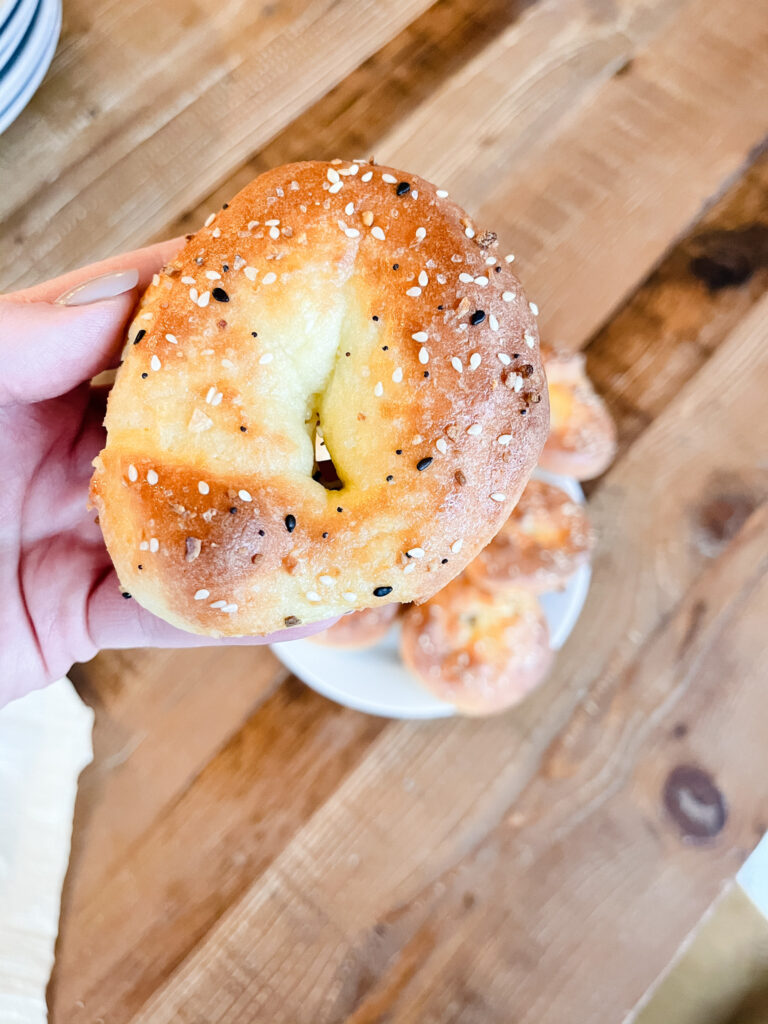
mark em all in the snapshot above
pixel 343 295
pixel 545 540
pixel 358 630
pixel 582 436
pixel 480 652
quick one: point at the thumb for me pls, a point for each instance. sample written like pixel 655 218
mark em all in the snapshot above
pixel 47 349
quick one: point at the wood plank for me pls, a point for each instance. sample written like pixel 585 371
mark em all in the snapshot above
pixel 158 900
pixel 686 308
pixel 547 133
pixel 324 922
pixel 181 140
pixel 160 717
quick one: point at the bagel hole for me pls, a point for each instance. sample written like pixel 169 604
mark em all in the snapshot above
pixel 324 471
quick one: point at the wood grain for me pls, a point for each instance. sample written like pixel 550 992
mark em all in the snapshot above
pixel 248 83
pixel 245 851
pixel 441 790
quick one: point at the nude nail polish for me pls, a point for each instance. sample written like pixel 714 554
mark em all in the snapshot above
pixel 107 286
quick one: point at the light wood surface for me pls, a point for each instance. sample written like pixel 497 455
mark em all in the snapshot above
pixel 245 851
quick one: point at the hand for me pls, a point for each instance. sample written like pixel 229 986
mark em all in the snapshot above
pixel 61 598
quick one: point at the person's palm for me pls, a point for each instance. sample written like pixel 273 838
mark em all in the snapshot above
pixel 61 598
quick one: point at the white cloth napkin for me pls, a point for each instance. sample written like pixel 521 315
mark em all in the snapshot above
pixel 45 742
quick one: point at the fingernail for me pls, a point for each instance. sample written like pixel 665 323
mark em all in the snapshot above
pixel 105 287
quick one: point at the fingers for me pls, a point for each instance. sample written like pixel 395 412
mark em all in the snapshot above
pixel 63 332
pixel 146 261
pixel 47 350
pixel 116 622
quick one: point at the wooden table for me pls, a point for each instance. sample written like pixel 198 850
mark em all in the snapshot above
pixel 245 851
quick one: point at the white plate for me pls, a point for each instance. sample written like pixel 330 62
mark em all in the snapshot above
pixel 21 77
pixel 376 681
pixel 15 22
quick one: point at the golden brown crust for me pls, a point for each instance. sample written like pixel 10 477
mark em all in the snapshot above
pixel 582 436
pixel 319 292
pixel 359 629
pixel 480 652
pixel 545 540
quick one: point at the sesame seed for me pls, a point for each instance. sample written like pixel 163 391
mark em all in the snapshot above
pixel 474 360
pixel 415 194
pixel 377 232
pixel 482 280
pixel 220 295
pixel 517 382
pixel 415 553
pixel 269 278
pixel 504 358
pixel 367 218
pixel 216 232
pixel 144 546
pixel 456 546
pixel 336 188
pixel 493 322
pixel 469 232
pixel 213 275
pixel 402 188
pixel 498 496
pixel 533 308
pixel 292 620
pixel 379 389
pixel 348 596
pixel 203 487
pixel 441 193
pixel 216 400
pixel 209 220
pixel 351 232
pixel 477 317
pixel 327 581
pixel 229 608
pixel 154 545
pixel 274 232
pixel 290 523
pixel 152 477
pixel 194 295
pixel 244 496
pixel 423 279
pixel 367 176
pixel 414 292
pixel 441 445
pixel 509 258
pixel 201 595
pixel 423 464
pixel 139 336
pixel 349 209
pixel 312 595
pixel 397 376
pixel 465 278
pixel 423 356
pixel 490 260
pixel 144 376
pixel 172 339
pixel 508 296
pixel 475 429
pixel 332 175
pixel 133 474
pixel 204 299
pixel 210 395
pixel 420 336
pixel 227 364
pixel 251 273
pixel 421 233
pixel 266 358
pixel 504 440
pixel 155 363
pixel 381 591
pixel 390 179
pixel 218 604
pixel 187 279
pixel 456 364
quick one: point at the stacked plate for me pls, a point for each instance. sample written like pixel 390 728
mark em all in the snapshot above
pixel 29 31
